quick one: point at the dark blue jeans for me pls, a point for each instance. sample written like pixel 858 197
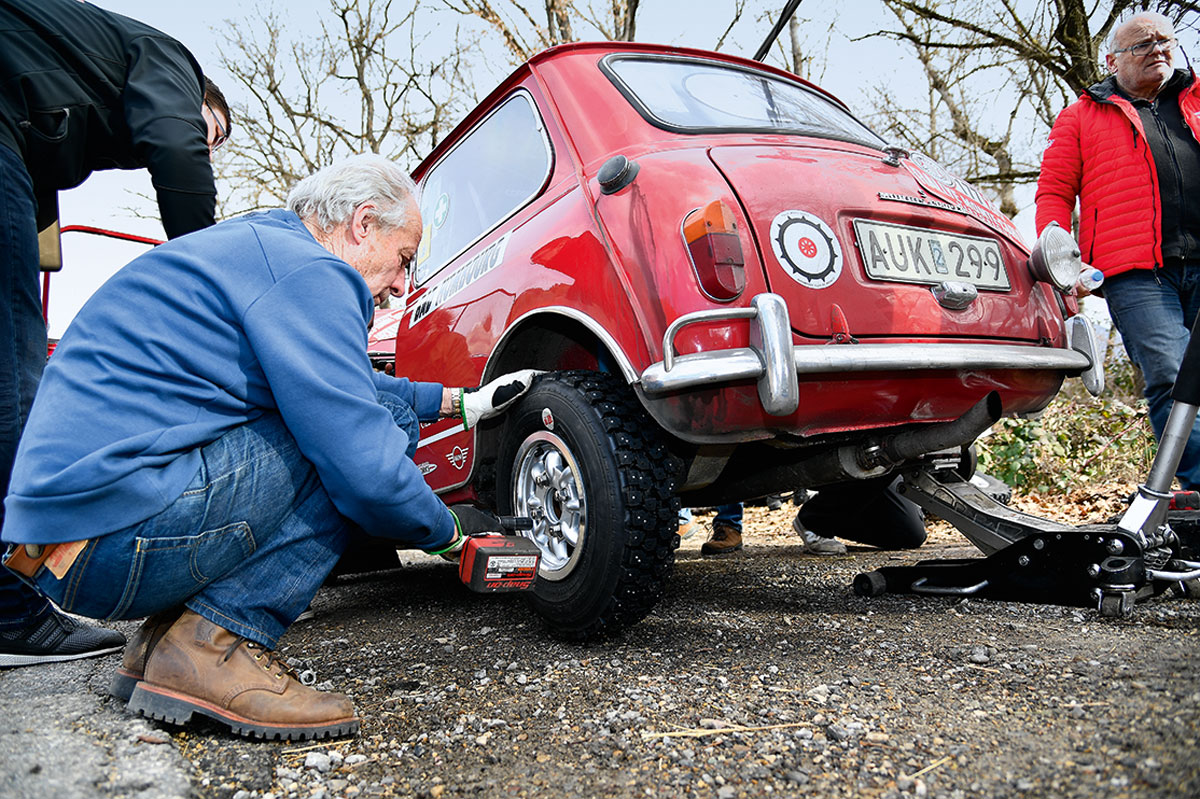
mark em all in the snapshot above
pixel 730 515
pixel 246 545
pixel 1154 312
pixel 22 349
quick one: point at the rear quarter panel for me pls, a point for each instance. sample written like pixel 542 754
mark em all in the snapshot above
pixel 553 257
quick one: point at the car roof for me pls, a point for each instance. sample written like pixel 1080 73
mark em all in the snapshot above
pixel 566 52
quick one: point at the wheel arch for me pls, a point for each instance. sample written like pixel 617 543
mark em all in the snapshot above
pixel 558 337
pixel 550 338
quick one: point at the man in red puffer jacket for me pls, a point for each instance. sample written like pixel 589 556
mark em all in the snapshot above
pixel 1128 150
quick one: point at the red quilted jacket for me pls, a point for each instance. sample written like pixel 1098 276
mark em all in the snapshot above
pixel 1098 153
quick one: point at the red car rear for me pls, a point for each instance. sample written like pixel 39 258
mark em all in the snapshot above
pixel 736 288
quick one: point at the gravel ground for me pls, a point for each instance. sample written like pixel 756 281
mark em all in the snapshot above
pixel 760 673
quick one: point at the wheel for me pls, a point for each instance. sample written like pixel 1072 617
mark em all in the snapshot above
pixel 581 457
pixel 868 512
pixel 870 584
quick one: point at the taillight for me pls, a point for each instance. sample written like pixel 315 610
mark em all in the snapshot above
pixel 715 249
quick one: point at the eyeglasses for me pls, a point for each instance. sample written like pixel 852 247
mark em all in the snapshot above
pixel 1145 48
pixel 222 133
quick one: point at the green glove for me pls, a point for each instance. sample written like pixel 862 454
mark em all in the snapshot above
pixel 468 521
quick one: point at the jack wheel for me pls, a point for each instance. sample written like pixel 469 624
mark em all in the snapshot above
pixel 870 584
pixel 1116 606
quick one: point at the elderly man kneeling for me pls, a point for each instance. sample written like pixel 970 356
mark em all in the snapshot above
pixel 210 432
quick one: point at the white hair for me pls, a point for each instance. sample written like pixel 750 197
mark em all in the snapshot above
pixel 330 196
pixel 1149 15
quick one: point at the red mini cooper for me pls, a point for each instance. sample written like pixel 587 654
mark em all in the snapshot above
pixel 735 288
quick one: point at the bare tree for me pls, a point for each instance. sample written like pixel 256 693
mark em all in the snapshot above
pixel 805 49
pixel 368 80
pixel 998 73
pixel 1062 37
pixel 526 29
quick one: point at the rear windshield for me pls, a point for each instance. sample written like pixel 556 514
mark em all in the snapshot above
pixel 694 96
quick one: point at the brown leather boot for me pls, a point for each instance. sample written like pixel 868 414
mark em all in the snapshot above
pixel 198 667
pixel 133 662
pixel 724 539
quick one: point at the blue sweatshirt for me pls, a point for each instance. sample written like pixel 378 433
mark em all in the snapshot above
pixel 194 338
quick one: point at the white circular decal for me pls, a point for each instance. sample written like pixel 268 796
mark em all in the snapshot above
pixel 807 248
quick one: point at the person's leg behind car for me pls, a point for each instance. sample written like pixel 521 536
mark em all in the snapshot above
pixel 726 534
pixel 868 512
pixel 1154 312
pixel 31 630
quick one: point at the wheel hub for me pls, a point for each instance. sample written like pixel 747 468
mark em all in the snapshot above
pixel 548 488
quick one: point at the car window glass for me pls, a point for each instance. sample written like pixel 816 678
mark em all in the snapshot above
pixel 497 168
pixel 700 97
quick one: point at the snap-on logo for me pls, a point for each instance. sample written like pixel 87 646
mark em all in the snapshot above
pixel 458 457
pixel 547 419
pixel 426 468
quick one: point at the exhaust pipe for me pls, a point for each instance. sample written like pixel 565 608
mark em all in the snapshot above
pixel 963 430
pixel 760 471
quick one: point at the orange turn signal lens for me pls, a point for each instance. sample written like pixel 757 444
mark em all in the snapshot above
pixel 715 249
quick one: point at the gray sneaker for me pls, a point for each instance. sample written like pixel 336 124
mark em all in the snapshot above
pixel 815 544
pixel 51 637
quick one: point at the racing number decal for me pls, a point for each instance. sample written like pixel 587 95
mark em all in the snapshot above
pixel 807 248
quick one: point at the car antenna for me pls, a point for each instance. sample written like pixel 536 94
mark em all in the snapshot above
pixel 788 10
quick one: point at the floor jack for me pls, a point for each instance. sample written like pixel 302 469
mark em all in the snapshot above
pixel 1029 559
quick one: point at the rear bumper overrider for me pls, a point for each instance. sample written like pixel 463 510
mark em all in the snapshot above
pixel 775 363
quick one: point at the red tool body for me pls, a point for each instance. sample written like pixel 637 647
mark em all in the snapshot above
pixel 496 563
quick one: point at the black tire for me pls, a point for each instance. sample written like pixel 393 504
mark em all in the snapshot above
pixel 615 497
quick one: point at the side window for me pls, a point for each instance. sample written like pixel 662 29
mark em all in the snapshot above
pixel 496 169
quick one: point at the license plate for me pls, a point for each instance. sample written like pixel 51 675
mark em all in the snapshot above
pixel 904 254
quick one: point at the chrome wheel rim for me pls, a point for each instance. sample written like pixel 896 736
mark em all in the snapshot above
pixel 548 488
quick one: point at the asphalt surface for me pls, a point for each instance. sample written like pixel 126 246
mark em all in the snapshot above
pixel 62 736
pixel 760 673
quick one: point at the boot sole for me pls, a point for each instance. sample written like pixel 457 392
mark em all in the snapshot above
pixel 33 660
pixel 727 551
pixel 122 684
pixel 162 705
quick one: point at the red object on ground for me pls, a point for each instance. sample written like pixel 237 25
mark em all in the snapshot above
pixel 495 563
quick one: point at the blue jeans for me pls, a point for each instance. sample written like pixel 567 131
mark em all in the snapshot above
pixel 1154 313
pixel 22 349
pixel 246 545
pixel 730 515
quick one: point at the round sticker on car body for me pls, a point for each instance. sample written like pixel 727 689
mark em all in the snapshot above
pixel 807 248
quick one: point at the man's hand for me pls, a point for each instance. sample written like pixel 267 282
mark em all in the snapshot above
pixel 468 521
pixel 474 521
pixel 489 400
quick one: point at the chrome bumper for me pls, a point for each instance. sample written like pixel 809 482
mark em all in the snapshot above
pixel 776 363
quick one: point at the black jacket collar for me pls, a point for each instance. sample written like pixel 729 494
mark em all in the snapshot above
pixel 1105 90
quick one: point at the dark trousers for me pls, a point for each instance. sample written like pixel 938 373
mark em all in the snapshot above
pixel 870 512
pixel 22 348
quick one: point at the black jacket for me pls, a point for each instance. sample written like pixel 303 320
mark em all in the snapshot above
pixel 83 89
